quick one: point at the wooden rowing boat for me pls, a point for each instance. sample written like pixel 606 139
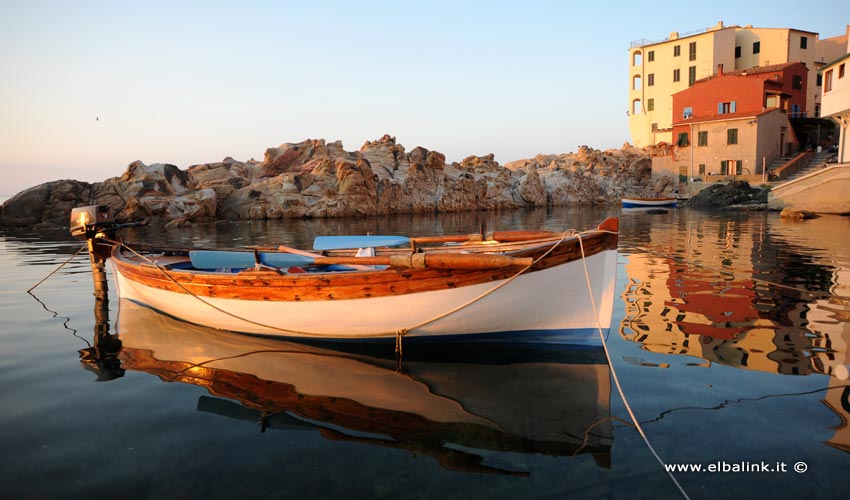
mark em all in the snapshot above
pixel 531 286
pixel 456 403
pixel 649 202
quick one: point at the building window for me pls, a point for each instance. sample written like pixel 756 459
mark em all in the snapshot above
pixel 636 108
pixel 650 56
pixel 726 107
pixel 650 104
pixel 675 75
pixel 637 59
pixel 797 82
pixel 636 82
pixel 687 112
pixel 732 136
pixel 702 138
pixel 738 52
pixel 771 102
pixel 692 76
pixel 692 51
pixel 756 47
pixel 804 42
pixel 820 80
pixel 701 169
pixel 650 79
pixel 723 169
pixel 827 83
pixel 841 70
pixel 739 167
pixel 683 139
pixel 677 50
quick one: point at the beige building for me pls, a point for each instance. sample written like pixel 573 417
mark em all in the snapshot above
pixel 757 141
pixel 657 70
pixel 836 97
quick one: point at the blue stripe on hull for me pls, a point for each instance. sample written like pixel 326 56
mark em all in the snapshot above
pixel 580 337
pixel 629 204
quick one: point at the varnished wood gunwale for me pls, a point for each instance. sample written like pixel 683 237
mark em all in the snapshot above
pixel 273 286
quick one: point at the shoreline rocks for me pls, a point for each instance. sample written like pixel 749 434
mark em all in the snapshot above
pixel 314 178
pixel 735 194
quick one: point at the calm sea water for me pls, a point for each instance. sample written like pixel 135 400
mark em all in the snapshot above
pixel 727 329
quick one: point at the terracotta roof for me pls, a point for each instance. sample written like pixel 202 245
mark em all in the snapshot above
pixel 723 117
pixel 757 70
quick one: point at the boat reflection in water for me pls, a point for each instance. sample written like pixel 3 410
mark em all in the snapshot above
pixel 449 401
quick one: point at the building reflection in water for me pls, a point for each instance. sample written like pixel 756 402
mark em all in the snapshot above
pixel 449 402
pixel 756 294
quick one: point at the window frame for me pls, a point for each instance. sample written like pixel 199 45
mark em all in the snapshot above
pixel 731 136
pixel 804 42
pixel 677 75
pixel 702 138
pixel 757 47
pixel 677 50
pixel 683 141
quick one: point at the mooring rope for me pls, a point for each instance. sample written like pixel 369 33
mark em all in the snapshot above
pixel 399 333
pixel 564 236
pixel 58 268
pixel 617 379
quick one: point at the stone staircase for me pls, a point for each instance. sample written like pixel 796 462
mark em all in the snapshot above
pixel 817 162
pixel 779 162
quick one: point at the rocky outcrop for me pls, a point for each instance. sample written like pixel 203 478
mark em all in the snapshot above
pixel 737 194
pixel 318 179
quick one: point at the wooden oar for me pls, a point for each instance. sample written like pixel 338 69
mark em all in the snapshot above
pixel 366 241
pixel 314 255
pixel 433 261
pixel 205 259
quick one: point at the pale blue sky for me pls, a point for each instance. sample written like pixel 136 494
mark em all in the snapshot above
pixel 193 82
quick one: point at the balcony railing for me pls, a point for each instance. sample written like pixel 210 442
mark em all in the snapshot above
pixel 643 41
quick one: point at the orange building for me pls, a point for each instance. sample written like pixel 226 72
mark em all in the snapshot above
pixel 735 123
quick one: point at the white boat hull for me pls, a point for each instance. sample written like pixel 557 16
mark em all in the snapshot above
pixel 649 202
pixel 552 305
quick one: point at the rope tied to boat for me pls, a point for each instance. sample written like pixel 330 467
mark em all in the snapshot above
pixel 398 336
pixel 617 379
pixel 57 269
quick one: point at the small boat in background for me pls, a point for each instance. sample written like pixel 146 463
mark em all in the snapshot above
pixel 649 202
pixel 521 286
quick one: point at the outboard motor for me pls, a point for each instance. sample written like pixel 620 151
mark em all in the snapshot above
pixel 86 222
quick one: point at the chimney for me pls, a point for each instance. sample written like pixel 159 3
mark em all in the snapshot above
pixel 720 69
